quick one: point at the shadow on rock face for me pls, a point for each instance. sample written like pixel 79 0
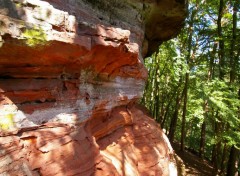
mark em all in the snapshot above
pixel 69 72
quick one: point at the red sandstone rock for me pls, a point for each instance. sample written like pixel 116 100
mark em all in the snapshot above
pixel 69 73
pixel 125 142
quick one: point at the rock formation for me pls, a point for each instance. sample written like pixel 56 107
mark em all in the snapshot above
pixel 71 73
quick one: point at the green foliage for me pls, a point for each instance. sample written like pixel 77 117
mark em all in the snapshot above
pixel 212 98
pixel 165 71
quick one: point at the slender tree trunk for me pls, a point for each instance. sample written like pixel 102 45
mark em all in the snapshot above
pixel 166 113
pixel 174 119
pixel 214 153
pixel 233 63
pixel 218 161
pixel 157 107
pixel 183 133
pixel 224 157
pixel 217 147
pixel 151 88
pixel 211 72
pixel 217 158
pixel 233 162
pixel 156 90
pixel 221 53
pixel 203 140
pixel 173 123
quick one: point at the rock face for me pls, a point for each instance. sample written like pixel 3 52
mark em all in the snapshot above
pixel 70 74
pixel 135 146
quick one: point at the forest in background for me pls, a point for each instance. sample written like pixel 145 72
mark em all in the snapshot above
pixel 193 89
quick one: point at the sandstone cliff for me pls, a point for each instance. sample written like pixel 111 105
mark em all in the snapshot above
pixel 70 74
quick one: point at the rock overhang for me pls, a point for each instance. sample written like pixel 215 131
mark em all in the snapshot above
pixel 78 58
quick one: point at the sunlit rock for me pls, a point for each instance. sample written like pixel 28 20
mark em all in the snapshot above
pixel 71 73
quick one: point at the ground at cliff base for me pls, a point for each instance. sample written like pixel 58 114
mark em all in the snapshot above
pixel 194 166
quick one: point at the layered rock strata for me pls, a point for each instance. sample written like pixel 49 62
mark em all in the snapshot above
pixel 122 143
pixel 70 74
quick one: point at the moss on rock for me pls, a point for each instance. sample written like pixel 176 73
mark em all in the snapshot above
pixel 35 36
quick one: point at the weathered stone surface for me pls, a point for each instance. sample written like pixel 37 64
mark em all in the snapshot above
pixel 77 58
pixel 124 142
pixel 69 73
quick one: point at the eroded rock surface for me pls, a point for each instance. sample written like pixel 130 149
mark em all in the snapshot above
pixel 136 146
pixel 70 74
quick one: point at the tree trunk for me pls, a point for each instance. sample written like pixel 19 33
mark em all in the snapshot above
pixel 184 112
pixel 203 140
pixel 221 53
pixel 173 123
pixel 165 115
pixel 233 61
pixel 214 153
pixel 224 156
pixel 157 117
pixel 233 162
pixel 211 71
pixel 217 147
pixel 155 110
pixel 216 161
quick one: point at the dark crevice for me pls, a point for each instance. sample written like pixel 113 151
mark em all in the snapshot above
pixel 58 28
pixel 64 87
pixel 37 171
pixel 39 78
pixel 38 102
pixel 7 77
